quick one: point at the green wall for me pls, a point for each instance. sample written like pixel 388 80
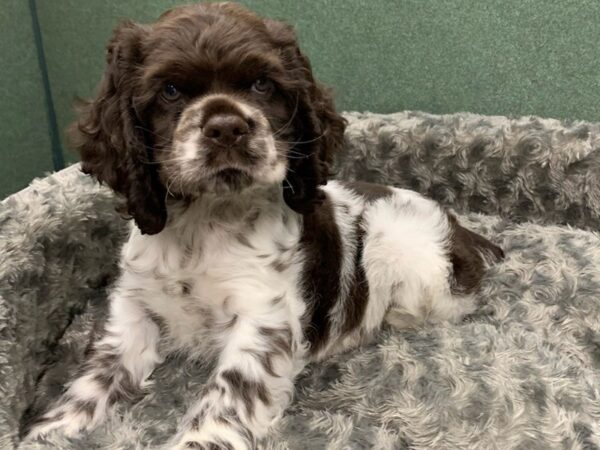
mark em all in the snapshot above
pixel 513 57
pixel 25 150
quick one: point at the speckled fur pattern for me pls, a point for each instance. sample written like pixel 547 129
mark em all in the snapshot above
pixel 522 372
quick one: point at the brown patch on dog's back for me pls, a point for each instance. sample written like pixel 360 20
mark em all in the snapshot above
pixel 466 254
pixel 370 191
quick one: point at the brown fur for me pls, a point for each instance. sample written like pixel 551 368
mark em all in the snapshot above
pixel 322 245
pixel 467 253
pixel 370 191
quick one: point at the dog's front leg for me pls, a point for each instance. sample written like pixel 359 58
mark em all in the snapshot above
pixel 249 390
pixel 117 366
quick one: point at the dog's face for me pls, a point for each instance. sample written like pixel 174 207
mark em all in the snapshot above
pixel 210 99
pixel 221 101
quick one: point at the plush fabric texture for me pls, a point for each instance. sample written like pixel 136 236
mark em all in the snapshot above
pixel 525 169
pixel 521 373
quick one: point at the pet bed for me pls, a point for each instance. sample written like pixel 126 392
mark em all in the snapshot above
pixel 521 373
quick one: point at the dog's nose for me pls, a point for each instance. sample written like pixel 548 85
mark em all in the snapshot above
pixel 226 129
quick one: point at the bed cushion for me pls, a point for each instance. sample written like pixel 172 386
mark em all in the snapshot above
pixel 520 373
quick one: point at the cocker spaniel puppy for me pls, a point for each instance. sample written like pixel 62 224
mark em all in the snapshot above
pixel 211 127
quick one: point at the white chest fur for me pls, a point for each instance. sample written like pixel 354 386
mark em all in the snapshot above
pixel 204 271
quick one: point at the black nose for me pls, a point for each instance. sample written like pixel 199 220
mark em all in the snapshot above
pixel 226 129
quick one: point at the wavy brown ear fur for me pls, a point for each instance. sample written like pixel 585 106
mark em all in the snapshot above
pixel 109 137
pixel 319 128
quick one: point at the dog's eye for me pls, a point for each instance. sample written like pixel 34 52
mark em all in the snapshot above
pixel 262 85
pixel 170 92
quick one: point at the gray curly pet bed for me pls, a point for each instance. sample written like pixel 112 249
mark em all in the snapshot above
pixel 522 373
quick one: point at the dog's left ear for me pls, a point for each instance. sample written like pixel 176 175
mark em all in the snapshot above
pixel 319 128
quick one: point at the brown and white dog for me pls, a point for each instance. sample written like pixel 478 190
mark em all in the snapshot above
pixel 210 125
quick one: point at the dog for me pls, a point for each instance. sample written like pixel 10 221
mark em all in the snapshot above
pixel 210 126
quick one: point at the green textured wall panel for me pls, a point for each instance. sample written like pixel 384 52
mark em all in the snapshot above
pixel 493 57
pixel 25 150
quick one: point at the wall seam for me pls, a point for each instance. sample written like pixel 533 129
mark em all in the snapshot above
pixel 58 161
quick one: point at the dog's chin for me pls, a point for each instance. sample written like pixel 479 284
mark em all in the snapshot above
pixel 226 181
pixel 229 181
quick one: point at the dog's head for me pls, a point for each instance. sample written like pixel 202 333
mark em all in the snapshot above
pixel 210 99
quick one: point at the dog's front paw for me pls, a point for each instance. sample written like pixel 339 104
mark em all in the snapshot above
pixel 72 417
pixel 218 437
pixel 205 445
pixel 198 441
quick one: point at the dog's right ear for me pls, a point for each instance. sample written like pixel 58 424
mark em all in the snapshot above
pixel 320 129
pixel 110 137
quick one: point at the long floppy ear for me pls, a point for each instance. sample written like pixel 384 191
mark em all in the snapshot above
pixel 319 128
pixel 109 137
